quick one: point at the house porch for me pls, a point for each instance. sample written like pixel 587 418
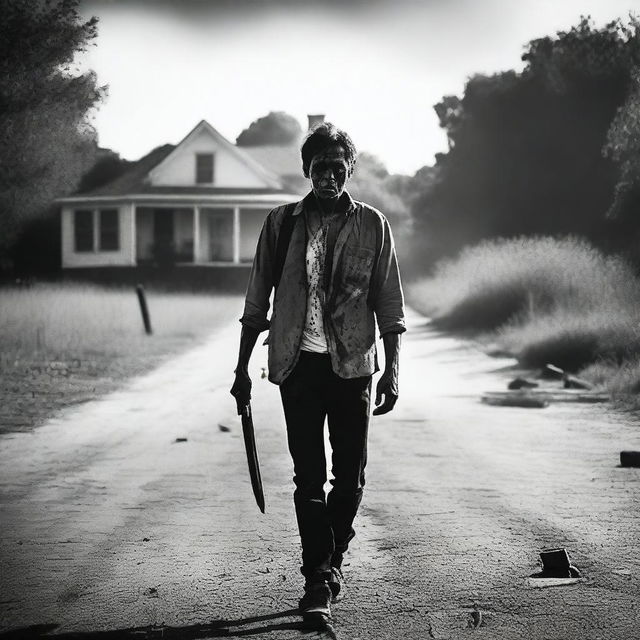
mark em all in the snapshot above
pixel 161 234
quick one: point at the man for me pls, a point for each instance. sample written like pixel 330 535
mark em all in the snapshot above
pixel 332 263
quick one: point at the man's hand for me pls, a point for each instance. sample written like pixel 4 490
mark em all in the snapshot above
pixel 388 387
pixel 388 383
pixel 241 389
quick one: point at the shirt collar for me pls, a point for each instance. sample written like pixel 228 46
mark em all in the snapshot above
pixel 345 204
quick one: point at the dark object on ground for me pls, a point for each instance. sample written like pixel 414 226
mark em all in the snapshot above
pixel 556 564
pixel 521 383
pixel 144 310
pixel 630 458
pixel 515 400
pixel 181 440
pixel 551 372
pixel 252 455
pixel 475 620
pixel 498 352
pixel 224 428
pixel 571 382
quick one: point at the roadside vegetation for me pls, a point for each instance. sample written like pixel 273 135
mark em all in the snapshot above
pixel 61 344
pixel 544 300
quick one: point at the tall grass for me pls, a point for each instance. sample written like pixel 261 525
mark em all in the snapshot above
pixel 69 319
pixel 546 299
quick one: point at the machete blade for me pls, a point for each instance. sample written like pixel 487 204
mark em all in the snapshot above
pixel 252 455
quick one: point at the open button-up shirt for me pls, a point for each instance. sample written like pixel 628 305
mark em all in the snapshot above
pixel 364 287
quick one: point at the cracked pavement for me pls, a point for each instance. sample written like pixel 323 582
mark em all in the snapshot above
pixel 109 524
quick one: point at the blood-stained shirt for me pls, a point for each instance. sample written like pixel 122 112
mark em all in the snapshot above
pixel 313 337
pixel 363 288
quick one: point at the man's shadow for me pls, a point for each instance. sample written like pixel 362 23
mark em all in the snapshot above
pixel 214 629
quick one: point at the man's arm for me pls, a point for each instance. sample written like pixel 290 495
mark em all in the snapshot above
pixel 388 384
pixel 389 310
pixel 254 318
pixel 241 389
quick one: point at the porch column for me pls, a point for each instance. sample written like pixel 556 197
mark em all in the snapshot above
pixel 197 256
pixel 236 235
pixel 134 241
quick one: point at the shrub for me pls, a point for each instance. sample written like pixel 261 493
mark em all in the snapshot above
pixel 573 338
pixel 548 300
pixel 506 280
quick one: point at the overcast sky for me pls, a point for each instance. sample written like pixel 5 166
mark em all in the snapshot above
pixel 375 68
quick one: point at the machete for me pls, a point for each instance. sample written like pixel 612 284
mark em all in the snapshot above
pixel 252 455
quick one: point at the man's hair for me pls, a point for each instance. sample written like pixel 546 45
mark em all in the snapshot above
pixel 320 138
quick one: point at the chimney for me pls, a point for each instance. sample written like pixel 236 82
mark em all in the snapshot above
pixel 315 120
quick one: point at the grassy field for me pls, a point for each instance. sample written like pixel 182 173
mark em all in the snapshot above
pixel 63 344
pixel 544 300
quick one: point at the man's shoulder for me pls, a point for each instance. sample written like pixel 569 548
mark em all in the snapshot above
pixel 278 213
pixel 369 213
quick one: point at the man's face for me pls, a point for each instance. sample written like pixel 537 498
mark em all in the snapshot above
pixel 329 171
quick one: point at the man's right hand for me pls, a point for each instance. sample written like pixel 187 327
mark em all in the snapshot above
pixel 241 389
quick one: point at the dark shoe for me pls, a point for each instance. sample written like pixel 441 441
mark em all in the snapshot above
pixel 336 584
pixel 315 603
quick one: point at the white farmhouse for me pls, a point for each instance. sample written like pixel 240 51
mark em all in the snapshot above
pixel 201 202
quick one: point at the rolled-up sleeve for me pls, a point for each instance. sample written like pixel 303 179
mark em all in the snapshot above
pixel 389 299
pixel 256 305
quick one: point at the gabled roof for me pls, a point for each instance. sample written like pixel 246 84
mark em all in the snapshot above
pixel 133 180
pixel 269 177
pixel 136 180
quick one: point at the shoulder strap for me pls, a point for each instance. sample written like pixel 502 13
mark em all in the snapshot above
pixel 282 246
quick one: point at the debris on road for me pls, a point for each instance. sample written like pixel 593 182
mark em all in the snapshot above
pixel 522 383
pixel 514 399
pixel 181 440
pixel 551 372
pixel 535 397
pixel 571 382
pixel 475 620
pixel 224 428
pixel 557 570
pixel 630 458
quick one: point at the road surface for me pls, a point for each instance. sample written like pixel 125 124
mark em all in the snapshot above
pixel 109 524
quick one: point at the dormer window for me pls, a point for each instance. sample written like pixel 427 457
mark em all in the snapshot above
pixel 204 168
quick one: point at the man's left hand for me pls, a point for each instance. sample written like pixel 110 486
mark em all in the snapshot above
pixel 388 387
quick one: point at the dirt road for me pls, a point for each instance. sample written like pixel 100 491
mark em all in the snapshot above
pixel 110 524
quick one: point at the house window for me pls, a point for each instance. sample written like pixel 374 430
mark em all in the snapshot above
pixel 96 230
pixel 83 230
pixel 109 236
pixel 204 168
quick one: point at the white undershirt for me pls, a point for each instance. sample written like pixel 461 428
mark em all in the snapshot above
pixel 313 337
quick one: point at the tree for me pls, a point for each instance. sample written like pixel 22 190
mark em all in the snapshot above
pixel 108 166
pixel 525 149
pixel 47 142
pixel 277 128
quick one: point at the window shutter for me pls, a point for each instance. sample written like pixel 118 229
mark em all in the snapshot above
pixel 83 230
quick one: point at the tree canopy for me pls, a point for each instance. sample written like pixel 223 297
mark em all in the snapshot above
pixel 277 128
pixel 47 141
pixel 526 149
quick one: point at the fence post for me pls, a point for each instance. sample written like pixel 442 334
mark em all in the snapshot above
pixel 144 309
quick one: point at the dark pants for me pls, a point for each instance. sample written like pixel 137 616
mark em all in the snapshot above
pixel 309 394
